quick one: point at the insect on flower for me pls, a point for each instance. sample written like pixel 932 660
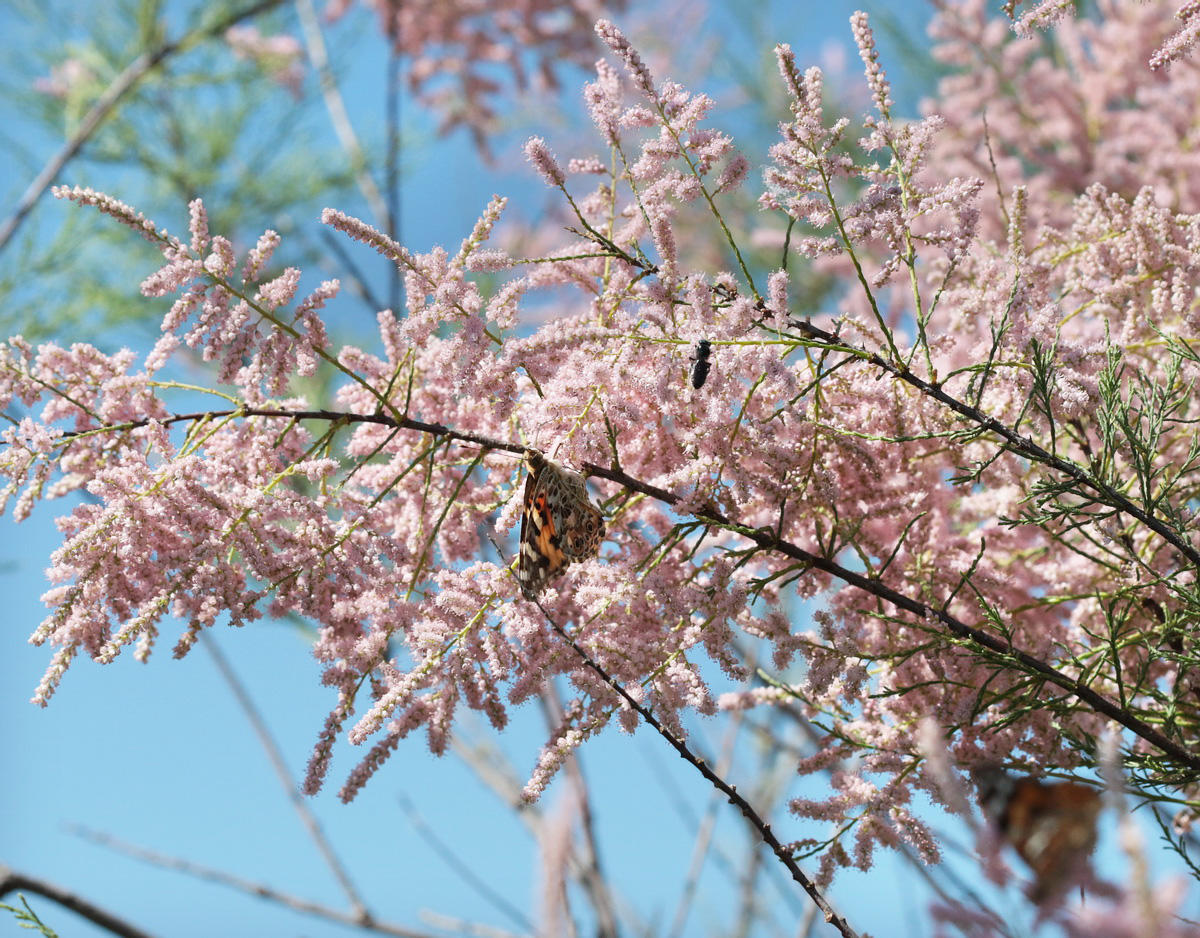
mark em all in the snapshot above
pixel 701 364
pixel 559 524
pixel 1051 825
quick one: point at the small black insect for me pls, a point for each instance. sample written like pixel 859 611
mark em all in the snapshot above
pixel 701 364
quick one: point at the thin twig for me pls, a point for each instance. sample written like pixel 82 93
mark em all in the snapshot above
pixel 489 766
pixel 460 867
pixel 723 860
pixel 392 180
pixel 460 926
pixel 752 907
pixel 706 827
pixel 359 284
pixel 310 25
pixel 247 886
pixel 275 757
pixel 764 829
pixel 591 874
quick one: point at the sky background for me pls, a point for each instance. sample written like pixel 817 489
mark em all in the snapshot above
pixel 162 756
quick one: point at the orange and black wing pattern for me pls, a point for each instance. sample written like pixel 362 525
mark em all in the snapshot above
pixel 559 525
pixel 541 553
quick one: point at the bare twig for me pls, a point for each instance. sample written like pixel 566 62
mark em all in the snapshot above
pixel 750 905
pixel 463 927
pixel 706 826
pixel 728 864
pixel 245 885
pixel 392 151
pixel 462 869
pixel 310 25
pixel 275 757
pixel 491 768
pixel 764 829
pixel 591 875
pixel 358 280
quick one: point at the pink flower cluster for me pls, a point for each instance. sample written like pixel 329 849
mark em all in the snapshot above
pixel 460 50
pixel 281 57
pixel 1045 13
pixel 66 77
pixel 1057 113
pixel 951 448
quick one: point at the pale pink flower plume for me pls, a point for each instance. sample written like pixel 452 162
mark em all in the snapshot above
pixel 66 76
pixel 1046 13
pixel 464 54
pixel 280 57
pixel 943 470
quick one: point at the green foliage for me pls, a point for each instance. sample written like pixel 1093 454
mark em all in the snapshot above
pixel 27 918
pixel 201 122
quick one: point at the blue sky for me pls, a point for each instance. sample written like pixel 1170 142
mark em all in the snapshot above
pixel 161 756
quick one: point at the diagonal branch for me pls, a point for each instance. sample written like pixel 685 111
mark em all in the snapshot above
pixel 1013 441
pixel 310 24
pixel 730 792
pixel 765 539
pixel 299 803
pixel 134 72
pixel 249 887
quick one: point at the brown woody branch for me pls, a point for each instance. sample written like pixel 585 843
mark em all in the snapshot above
pixel 767 540
pixel 729 791
pixel 1013 441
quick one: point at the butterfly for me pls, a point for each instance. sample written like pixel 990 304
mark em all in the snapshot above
pixel 559 524
pixel 1051 825
pixel 701 364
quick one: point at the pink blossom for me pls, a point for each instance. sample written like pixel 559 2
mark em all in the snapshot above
pixel 1043 14
pixel 975 456
pixel 616 41
pixel 543 161
pixel 455 49
pixel 280 57
pixel 604 101
pixel 876 79
pixel 69 76
pixel 1182 40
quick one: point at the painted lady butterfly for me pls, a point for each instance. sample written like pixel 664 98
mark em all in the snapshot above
pixel 559 525
pixel 1051 825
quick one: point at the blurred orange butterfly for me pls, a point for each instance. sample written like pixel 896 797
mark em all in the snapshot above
pixel 1051 825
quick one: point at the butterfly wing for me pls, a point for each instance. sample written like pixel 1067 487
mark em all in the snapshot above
pixel 1051 825
pixel 559 525
pixel 541 551
pixel 583 528
pixel 1053 828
